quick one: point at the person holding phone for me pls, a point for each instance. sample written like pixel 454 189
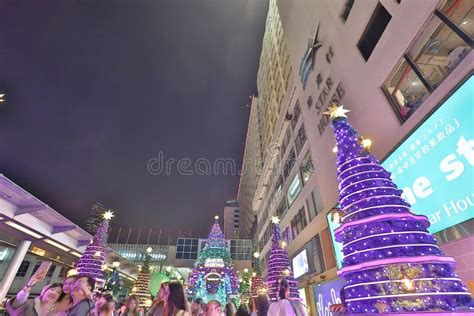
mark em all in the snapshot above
pixel 81 294
pixel 43 305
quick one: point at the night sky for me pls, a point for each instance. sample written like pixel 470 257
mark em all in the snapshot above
pixel 95 89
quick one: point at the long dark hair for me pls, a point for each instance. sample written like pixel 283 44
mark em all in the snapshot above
pixel 283 286
pixel 177 299
pixel 262 305
pixel 108 299
pixel 132 297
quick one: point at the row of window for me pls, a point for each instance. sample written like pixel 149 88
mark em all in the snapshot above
pixel 25 265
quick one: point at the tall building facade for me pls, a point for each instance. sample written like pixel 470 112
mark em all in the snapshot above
pixel 402 68
pixel 231 219
pixel 251 168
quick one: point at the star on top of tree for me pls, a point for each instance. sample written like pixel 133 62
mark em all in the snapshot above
pixel 149 249
pixel 108 215
pixel 335 111
pixel 256 254
pixel 275 220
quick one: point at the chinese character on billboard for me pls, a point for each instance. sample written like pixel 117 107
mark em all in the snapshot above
pixel 434 166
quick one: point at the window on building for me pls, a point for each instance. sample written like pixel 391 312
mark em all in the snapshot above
pixel 441 46
pixel 300 139
pixel 296 115
pixel 38 264
pixel 461 12
pixel 284 145
pixel 437 51
pixel 293 189
pixel 187 248
pixel 373 31
pixel 306 167
pixel 290 162
pixel 346 9
pixel 50 271
pixel 405 90
pixel 314 204
pixel 299 222
pixel 318 259
pixel 281 210
pixel 23 268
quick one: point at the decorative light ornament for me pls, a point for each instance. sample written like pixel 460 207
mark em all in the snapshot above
pixel 334 149
pixel 97 254
pixel 366 143
pixel 115 264
pixel 408 284
pixel 104 267
pixel 246 270
pixel 216 217
pixel 283 244
pixel 335 111
pixel 256 254
pixel 286 272
pixel 72 272
pixel 336 215
pixel 108 215
pixel 149 249
pixel 2 95
pixel 275 220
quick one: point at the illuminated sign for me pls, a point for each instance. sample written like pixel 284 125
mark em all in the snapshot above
pixel 434 165
pixel 337 246
pixel 214 263
pixel 327 294
pixel 300 264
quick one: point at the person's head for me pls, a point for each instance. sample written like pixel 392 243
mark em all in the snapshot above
pixel 242 311
pixel 196 305
pixel 82 282
pixel 177 298
pixel 213 308
pixel 105 304
pixel 284 288
pixel 68 283
pixel 132 303
pixel 262 304
pixel 163 292
pixel 51 293
pixel 230 309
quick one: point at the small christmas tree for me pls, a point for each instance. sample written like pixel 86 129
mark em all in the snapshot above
pixel 141 286
pixel 244 285
pixel 257 286
pixel 279 265
pixel 391 263
pixel 93 259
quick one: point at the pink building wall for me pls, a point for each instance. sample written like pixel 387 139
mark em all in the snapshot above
pixel 463 251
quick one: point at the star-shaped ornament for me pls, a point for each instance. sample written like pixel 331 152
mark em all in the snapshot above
pixel 275 220
pixel 149 249
pixel 256 254
pixel 108 215
pixel 335 111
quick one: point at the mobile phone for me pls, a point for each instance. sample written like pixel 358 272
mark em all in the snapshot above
pixel 43 269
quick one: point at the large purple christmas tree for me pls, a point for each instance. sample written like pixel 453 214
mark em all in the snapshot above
pixel 92 260
pixel 279 265
pixel 391 263
pixel 214 276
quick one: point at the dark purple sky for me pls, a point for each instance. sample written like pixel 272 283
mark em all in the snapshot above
pixel 96 89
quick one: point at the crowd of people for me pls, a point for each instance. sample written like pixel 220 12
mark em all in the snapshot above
pixel 76 297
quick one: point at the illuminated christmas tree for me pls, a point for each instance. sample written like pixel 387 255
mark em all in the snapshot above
pixel 142 284
pixel 93 259
pixel 391 263
pixel 213 276
pixel 257 286
pixel 279 265
pixel 244 285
